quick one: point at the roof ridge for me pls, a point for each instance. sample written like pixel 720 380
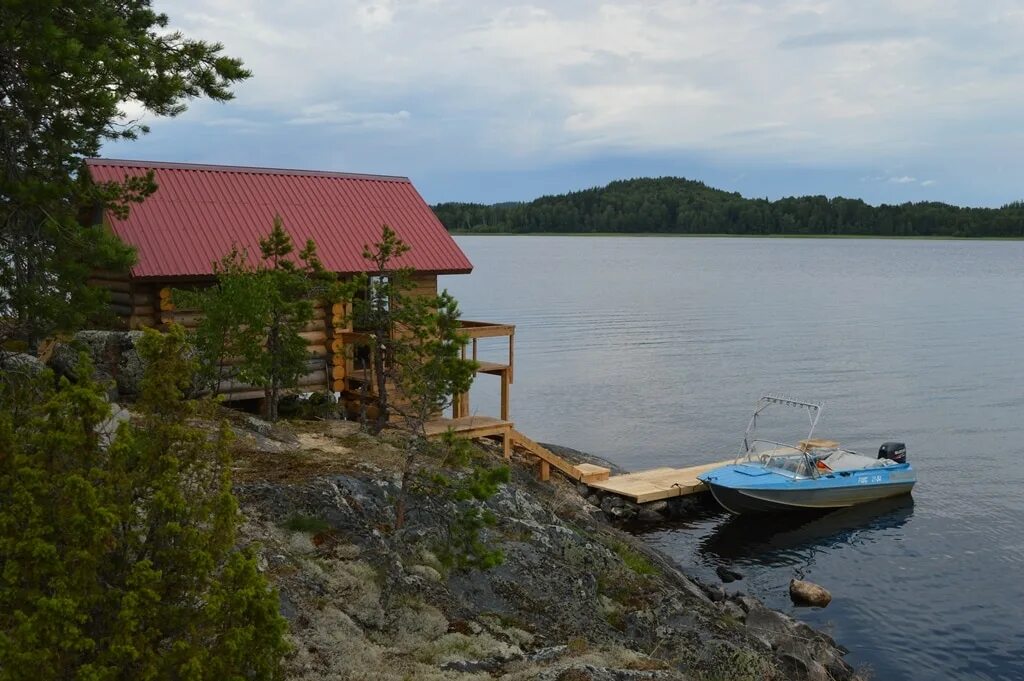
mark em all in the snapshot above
pixel 256 170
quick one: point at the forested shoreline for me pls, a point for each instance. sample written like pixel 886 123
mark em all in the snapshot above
pixel 673 205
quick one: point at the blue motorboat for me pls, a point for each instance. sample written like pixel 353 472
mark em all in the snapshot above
pixel 811 474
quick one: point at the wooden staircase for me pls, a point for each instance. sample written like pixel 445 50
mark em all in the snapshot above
pixel 583 472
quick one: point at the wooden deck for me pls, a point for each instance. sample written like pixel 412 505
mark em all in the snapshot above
pixel 474 427
pixel 658 483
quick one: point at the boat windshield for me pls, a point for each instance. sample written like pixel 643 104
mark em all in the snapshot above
pixel 781 458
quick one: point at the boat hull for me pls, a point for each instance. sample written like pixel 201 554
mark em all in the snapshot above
pixel 776 501
pixel 746 489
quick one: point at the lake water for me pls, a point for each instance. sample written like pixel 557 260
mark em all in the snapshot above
pixel 652 352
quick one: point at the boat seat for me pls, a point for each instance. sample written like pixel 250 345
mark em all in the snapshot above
pixel 841 460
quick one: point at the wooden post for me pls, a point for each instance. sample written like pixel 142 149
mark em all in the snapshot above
pixel 474 349
pixel 511 356
pixel 545 470
pixel 506 444
pixel 504 393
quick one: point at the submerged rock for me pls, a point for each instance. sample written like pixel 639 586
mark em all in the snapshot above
pixel 728 574
pixel 808 593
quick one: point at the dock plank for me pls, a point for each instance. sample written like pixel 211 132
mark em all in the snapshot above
pixel 658 483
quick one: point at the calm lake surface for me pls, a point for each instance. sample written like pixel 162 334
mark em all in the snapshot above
pixel 652 352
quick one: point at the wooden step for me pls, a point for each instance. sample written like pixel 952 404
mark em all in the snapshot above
pixel 589 473
pixel 584 472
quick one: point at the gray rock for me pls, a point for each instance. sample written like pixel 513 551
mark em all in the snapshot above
pixel 108 429
pixel 114 355
pixel 21 363
pixel 715 593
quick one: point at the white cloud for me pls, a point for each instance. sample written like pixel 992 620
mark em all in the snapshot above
pixel 804 82
pixel 334 113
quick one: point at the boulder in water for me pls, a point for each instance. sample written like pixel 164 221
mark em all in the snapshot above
pixel 728 574
pixel 808 593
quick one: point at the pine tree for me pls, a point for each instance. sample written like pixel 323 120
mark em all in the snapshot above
pixel 415 344
pixel 67 69
pixel 118 560
pixel 254 315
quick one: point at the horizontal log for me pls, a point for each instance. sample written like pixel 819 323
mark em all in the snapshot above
pixel 315 337
pixel 243 395
pixel 338 385
pixel 112 275
pixel 122 310
pixel 136 322
pixel 166 304
pixel 135 299
pixel 110 285
pixel 315 378
pixel 338 309
pixel 189 320
pixel 166 293
pixel 338 371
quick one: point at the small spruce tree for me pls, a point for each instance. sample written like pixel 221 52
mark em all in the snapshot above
pixel 252 319
pixel 416 348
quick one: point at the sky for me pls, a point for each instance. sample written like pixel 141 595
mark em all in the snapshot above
pixel 486 100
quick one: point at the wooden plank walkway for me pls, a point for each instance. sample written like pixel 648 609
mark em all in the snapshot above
pixel 641 487
pixel 583 472
pixel 658 483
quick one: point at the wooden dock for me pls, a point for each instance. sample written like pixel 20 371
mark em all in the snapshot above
pixel 658 483
pixel 641 487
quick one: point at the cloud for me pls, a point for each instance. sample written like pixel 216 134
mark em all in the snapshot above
pixel 489 84
pixel 903 179
pixel 831 38
pixel 333 113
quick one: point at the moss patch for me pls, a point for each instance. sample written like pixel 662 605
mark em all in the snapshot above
pixel 306 523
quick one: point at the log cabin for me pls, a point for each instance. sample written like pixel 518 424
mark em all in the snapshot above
pixel 199 212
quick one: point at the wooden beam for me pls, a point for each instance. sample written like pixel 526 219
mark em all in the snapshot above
pixel 504 395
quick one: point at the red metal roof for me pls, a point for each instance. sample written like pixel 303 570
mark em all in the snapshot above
pixel 200 211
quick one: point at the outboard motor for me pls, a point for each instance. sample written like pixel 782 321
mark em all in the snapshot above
pixel 894 451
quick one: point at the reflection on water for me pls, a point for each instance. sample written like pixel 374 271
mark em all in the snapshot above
pixel 796 537
pixel 652 351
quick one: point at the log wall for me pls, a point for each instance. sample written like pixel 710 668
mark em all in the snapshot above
pixel 329 336
pixel 133 304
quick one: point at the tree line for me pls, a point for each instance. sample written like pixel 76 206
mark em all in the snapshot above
pixel 674 205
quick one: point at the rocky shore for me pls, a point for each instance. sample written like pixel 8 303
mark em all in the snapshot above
pixel 575 598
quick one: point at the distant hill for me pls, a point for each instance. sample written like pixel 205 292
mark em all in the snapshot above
pixel 679 206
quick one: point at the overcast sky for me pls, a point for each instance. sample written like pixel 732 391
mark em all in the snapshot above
pixel 484 100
